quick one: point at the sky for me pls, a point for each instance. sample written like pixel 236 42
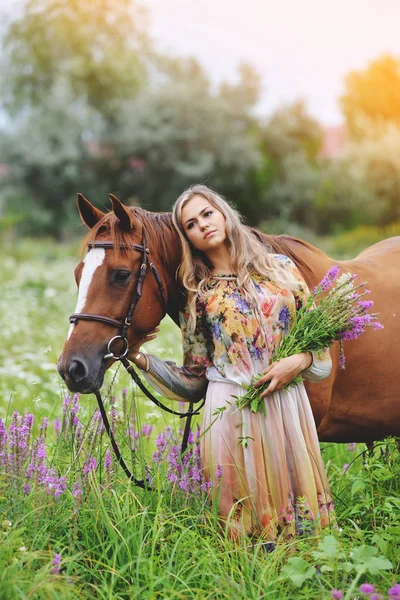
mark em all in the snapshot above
pixel 300 48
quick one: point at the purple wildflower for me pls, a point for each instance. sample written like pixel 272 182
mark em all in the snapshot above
pixel 367 588
pixel 336 594
pixel 146 430
pixel 376 597
pixel 351 447
pixel 366 304
pixel 328 279
pixel 394 590
pixel 345 467
pixel 107 461
pixel 218 472
pixel 90 466
pixel 57 427
pixel 56 562
pixel 66 403
pixel 377 325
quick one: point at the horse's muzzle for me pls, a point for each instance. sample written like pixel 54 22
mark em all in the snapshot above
pixel 79 375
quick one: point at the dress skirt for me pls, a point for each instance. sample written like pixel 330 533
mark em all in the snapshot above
pixel 267 472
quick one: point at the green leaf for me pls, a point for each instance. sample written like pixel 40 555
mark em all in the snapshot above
pixel 328 549
pixel 254 405
pixel 365 556
pixel 298 570
pixel 357 486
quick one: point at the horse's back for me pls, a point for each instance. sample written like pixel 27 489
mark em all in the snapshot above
pixel 388 247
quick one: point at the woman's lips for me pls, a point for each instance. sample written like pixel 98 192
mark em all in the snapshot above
pixel 209 233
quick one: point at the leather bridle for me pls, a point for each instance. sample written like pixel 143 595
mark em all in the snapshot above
pixel 122 335
pixel 137 293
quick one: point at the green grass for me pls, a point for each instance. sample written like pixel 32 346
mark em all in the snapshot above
pixel 120 542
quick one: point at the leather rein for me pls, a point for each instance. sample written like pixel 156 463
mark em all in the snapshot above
pixel 122 357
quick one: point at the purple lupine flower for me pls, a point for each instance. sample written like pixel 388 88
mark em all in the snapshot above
pixel 90 466
pixel 218 472
pixel 56 562
pixel 336 594
pixel 43 426
pixel 66 403
pixel 146 430
pixel 365 304
pixel 367 588
pixel 107 461
pixel 377 326
pixel 27 488
pixel 57 427
pixel 328 279
pixel 345 467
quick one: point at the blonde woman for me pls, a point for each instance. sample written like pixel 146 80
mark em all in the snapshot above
pixel 241 301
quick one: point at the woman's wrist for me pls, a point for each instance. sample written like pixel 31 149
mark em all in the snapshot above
pixel 141 360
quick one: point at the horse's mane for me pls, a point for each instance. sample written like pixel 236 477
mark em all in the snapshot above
pixel 160 232
pixel 158 227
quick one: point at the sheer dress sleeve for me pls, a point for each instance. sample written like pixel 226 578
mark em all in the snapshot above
pixel 189 382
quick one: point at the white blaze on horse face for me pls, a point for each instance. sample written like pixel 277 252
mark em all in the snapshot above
pixel 93 259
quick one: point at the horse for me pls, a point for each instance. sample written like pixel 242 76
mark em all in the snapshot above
pixel 358 404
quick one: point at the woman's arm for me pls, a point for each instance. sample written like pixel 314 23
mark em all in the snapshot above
pixel 189 382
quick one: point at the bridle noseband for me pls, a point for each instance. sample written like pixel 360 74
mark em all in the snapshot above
pixel 122 335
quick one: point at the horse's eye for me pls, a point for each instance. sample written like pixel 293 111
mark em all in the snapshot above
pixel 121 276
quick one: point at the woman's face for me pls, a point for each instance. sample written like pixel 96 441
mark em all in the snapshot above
pixel 204 225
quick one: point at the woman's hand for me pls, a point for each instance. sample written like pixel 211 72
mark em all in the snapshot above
pixel 147 337
pixel 282 372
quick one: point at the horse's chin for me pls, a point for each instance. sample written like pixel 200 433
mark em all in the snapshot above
pixel 89 388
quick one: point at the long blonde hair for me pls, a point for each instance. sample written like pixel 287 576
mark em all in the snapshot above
pixel 248 254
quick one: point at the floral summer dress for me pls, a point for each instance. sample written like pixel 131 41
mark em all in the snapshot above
pixel 273 479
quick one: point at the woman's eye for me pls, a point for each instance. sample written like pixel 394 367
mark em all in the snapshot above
pixel 121 276
pixel 190 225
pixel 208 213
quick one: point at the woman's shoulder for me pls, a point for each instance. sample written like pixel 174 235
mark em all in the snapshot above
pixel 282 259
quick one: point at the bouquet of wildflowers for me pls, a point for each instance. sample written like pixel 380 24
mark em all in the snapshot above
pixel 341 314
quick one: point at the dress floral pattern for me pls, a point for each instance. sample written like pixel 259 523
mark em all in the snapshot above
pixel 273 480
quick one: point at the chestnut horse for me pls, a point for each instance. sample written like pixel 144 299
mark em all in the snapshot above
pixel 361 403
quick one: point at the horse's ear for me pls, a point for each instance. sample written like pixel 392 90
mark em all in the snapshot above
pixel 90 215
pixel 122 212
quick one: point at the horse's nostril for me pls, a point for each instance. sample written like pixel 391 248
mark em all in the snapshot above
pixel 77 371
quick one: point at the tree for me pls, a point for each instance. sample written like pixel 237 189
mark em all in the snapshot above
pixel 180 132
pixel 292 130
pixel 373 93
pixel 94 47
pixel 374 164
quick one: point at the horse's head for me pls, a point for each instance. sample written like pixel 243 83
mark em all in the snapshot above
pixel 126 284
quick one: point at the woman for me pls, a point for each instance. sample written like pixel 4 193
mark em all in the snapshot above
pixel 241 301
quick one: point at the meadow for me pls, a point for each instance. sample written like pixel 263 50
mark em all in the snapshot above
pixel 72 526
